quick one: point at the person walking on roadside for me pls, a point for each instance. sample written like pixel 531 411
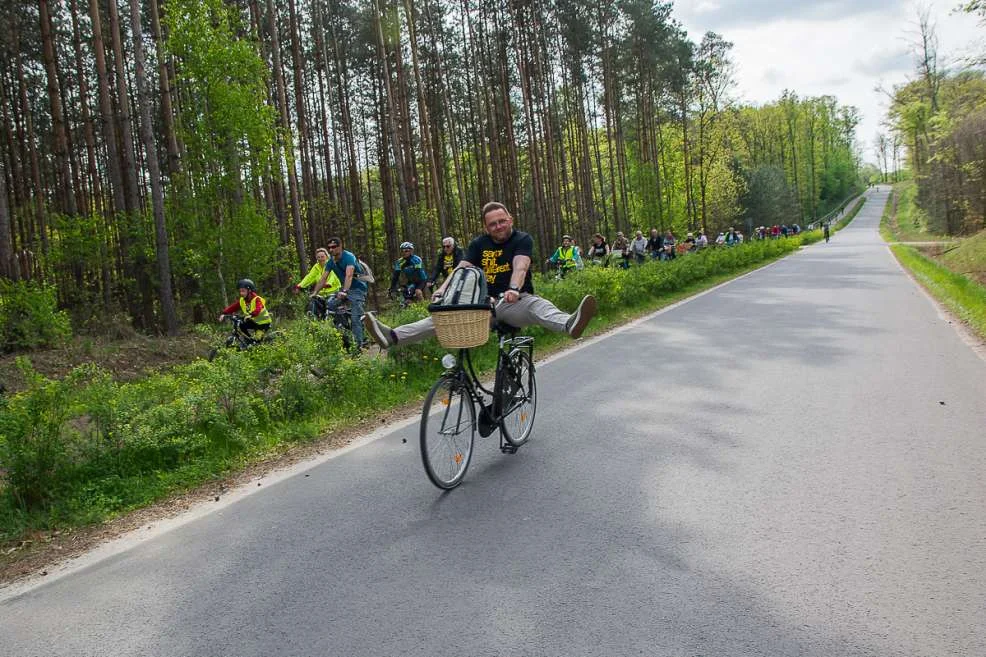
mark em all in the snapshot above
pixel 504 254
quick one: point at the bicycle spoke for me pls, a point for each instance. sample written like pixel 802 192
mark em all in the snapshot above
pixel 447 431
pixel 518 399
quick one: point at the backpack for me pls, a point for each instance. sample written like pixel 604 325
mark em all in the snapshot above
pixel 466 287
pixel 364 274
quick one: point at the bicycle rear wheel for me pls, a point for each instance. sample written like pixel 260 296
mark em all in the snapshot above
pixel 448 427
pixel 518 398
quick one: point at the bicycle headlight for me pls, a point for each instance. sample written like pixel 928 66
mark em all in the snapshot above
pixel 448 361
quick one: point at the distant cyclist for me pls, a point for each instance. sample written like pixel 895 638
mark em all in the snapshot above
pixel 447 260
pixel 566 257
pixel 252 305
pixel 411 269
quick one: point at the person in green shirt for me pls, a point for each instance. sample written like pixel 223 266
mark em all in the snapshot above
pixel 317 305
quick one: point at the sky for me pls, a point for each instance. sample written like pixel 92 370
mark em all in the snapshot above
pixel 842 48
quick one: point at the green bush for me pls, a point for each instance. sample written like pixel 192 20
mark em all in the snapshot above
pixel 35 439
pixel 29 317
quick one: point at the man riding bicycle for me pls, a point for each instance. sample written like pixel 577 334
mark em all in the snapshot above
pixel 411 270
pixel 346 268
pixel 447 260
pixel 504 254
pixel 252 305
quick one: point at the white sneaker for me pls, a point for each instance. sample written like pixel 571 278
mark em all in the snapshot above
pixel 580 318
pixel 381 333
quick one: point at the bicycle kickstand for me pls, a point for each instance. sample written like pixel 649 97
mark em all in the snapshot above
pixel 506 447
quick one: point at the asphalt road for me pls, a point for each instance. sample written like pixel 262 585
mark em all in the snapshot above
pixel 792 464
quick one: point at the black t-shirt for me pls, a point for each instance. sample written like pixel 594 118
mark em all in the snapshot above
pixel 655 243
pixel 497 260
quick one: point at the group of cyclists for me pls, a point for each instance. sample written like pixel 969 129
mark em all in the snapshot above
pixel 410 277
pixel 335 279
pixel 623 251
pixel 504 254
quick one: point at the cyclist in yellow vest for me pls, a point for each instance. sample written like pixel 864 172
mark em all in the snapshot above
pixel 252 305
pixel 332 283
pixel 317 304
pixel 566 257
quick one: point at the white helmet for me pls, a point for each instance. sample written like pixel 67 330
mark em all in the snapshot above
pixel 407 245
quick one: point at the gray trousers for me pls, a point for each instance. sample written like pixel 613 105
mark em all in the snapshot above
pixel 528 310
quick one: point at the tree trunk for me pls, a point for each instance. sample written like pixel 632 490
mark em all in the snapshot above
pixel 307 184
pixel 154 171
pixel 164 90
pixel 391 109
pixel 65 189
pixel 282 102
pixel 7 268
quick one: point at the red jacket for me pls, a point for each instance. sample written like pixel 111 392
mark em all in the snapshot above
pixel 234 308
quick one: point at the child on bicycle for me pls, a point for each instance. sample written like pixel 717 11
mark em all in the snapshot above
pixel 254 309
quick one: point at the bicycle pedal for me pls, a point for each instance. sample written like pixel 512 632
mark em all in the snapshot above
pixel 508 449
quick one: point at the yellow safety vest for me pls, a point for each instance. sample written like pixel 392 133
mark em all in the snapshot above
pixel 264 316
pixel 566 257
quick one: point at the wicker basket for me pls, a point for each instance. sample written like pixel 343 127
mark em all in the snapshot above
pixel 462 328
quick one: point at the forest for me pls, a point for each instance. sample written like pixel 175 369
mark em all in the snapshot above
pixel 154 151
pixel 937 124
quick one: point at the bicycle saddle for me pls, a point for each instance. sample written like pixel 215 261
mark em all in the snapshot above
pixel 504 329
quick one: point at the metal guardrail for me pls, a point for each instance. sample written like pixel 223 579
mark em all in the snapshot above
pixel 837 213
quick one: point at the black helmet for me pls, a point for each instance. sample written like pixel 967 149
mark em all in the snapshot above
pixel 246 283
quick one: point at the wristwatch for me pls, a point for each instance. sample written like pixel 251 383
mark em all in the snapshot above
pixel 514 288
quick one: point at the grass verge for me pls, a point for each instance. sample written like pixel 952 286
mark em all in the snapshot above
pixel 907 222
pixel 963 297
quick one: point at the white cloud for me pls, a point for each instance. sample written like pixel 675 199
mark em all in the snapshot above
pixel 842 48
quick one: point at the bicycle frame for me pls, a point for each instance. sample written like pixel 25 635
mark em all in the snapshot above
pixel 490 414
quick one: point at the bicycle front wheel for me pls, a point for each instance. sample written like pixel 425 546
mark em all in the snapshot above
pixel 448 427
pixel 518 398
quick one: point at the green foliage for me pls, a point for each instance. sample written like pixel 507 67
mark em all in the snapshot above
pixel 769 199
pixel 941 126
pixel 29 317
pixel 220 231
pixel 961 295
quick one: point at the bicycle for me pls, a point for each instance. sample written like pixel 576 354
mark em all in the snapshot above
pixel 239 339
pixel 406 293
pixel 449 420
pixel 340 314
